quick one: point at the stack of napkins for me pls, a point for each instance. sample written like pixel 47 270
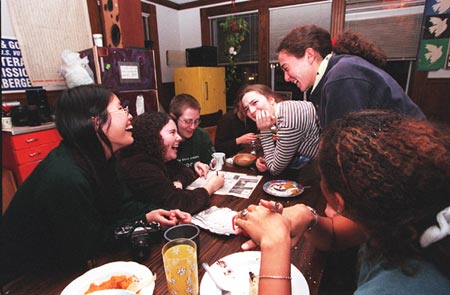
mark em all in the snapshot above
pixel 216 220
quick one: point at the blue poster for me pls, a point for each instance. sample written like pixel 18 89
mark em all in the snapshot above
pixel 14 75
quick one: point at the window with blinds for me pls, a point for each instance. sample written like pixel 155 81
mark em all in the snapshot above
pixel 395 26
pixel 284 19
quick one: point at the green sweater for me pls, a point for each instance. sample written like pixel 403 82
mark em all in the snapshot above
pixel 197 148
pixel 57 220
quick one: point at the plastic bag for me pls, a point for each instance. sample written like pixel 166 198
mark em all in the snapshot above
pixel 75 70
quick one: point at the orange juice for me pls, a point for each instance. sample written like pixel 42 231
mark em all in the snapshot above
pixel 180 265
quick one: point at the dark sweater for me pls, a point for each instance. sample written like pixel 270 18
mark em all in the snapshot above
pixel 229 128
pixel 58 220
pixel 351 83
pixel 197 148
pixel 151 181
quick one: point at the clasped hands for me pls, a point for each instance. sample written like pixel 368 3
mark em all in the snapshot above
pixel 268 222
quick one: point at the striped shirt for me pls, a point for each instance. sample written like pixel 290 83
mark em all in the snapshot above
pixel 298 135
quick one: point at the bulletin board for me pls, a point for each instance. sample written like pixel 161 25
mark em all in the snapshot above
pixel 44 29
pixel 434 46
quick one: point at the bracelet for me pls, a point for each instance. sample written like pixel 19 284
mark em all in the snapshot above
pixel 276 277
pixel 316 218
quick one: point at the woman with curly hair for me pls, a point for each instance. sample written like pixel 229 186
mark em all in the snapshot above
pixel 342 78
pixel 152 171
pixel 388 173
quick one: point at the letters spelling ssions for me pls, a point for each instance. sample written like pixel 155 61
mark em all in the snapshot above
pixel 14 75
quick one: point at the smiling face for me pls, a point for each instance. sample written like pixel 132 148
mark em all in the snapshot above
pixel 171 139
pixel 300 71
pixel 188 121
pixel 118 129
pixel 253 101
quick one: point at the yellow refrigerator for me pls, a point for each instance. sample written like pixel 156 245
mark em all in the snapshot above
pixel 206 84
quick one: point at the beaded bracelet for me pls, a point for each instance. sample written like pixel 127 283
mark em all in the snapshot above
pixel 276 277
pixel 316 218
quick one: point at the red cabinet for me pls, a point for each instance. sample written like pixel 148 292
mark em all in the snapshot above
pixel 23 152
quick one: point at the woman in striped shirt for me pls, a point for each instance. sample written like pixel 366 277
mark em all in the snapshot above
pixel 289 129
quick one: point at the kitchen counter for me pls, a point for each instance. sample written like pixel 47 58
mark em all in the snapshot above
pixel 15 130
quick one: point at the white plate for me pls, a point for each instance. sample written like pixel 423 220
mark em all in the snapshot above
pixel 97 275
pixel 112 292
pixel 283 188
pixel 236 268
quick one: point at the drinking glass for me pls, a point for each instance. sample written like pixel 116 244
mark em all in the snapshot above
pixel 180 266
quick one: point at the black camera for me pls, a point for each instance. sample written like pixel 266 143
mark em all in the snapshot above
pixel 141 234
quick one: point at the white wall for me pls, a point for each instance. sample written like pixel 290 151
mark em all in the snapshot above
pixel 177 30
pixel 169 37
pixel 7 29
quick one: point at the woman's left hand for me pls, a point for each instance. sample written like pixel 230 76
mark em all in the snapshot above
pixel 201 169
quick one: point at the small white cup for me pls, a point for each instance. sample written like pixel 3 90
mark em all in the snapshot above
pixel 98 40
pixel 217 161
pixel 6 123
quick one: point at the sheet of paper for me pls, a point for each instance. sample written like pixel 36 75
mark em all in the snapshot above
pixel 236 184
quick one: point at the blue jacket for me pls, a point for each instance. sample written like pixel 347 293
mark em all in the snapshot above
pixel 351 83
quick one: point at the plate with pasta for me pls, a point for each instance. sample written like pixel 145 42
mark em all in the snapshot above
pixel 128 276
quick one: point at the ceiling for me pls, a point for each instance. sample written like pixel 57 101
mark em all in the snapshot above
pixel 182 1
pixel 185 4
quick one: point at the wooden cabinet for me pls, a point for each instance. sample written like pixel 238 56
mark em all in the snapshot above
pixel 23 152
pixel 206 84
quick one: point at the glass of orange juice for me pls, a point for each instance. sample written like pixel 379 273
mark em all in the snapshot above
pixel 180 266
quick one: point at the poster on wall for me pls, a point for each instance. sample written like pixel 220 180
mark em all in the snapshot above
pixel 435 41
pixel 14 74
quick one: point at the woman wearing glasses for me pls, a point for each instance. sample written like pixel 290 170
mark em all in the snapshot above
pixel 66 211
pixel 196 146
pixel 152 171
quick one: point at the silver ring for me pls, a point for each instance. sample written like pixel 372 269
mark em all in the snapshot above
pixel 243 213
pixel 277 207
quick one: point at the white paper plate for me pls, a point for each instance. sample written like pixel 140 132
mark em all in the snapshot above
pixel 218 220
pixel 236 268
pixel 97 275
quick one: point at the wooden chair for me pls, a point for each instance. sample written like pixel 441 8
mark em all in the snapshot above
pixel 208 120
pixel 209 123
pixel 212 132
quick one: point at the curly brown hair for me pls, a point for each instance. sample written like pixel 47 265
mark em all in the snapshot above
pixel 311 36
pixel 393 173
pixel 306 36
pixel 146 134
pixel 355 43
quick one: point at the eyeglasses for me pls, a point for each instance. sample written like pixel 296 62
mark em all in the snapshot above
pixel 125 109
pixel 190 122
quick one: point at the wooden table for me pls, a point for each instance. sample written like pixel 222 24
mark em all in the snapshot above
pixel 213 247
